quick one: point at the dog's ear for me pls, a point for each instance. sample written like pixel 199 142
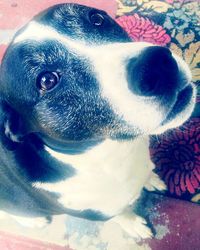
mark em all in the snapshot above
pixel 12 128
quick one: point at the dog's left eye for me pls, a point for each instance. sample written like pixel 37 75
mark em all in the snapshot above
pixel 96 19
pixel 47 80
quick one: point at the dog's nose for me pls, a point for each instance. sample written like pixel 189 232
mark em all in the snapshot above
pixel 153 72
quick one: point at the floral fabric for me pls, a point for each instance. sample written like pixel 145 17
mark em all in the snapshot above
pixel 177 158
pixel 143 29
pixel 174 24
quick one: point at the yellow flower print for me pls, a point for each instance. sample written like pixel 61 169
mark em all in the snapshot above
pixel 192 57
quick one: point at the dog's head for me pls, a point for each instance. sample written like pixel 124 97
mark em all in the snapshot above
pixel 73 77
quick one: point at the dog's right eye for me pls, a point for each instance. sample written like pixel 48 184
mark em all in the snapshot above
pixel 47 80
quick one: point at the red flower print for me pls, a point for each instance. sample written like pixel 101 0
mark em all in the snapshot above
pixel 176 155
pixel 143 29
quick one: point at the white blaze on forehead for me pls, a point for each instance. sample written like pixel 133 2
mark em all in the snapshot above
pixel 39 32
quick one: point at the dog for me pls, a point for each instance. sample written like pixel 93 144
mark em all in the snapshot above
pixel 79 100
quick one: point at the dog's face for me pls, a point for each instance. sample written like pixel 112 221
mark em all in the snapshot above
pixel 74 78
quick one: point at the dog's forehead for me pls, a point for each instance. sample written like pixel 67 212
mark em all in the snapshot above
pixel 67 19
pixel 73 20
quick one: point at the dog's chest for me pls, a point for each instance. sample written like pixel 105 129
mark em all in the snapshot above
pixel 108 177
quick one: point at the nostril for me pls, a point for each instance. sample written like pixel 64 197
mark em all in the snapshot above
pixel 154 71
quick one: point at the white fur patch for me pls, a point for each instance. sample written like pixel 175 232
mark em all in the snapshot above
pixel 109 176
pixel 134 225
pixel 39 32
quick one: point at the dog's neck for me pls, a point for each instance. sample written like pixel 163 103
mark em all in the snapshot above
pixel 112 170
pixel 109 155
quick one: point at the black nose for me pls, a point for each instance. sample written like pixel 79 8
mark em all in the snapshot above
pixel 153 72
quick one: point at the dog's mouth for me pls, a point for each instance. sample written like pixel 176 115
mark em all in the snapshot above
pixel 70 147
pixel 183 101
pixel 180 111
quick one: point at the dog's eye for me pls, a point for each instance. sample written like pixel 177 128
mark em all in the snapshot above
pixel 96 19
pixel 47 80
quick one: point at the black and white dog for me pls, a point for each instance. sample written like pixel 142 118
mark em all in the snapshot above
pixel 78 102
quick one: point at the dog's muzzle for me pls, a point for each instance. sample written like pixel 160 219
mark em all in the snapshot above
pixel 147 85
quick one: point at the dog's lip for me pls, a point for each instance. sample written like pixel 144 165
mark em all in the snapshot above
pixel 183 99
pixel 72 146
